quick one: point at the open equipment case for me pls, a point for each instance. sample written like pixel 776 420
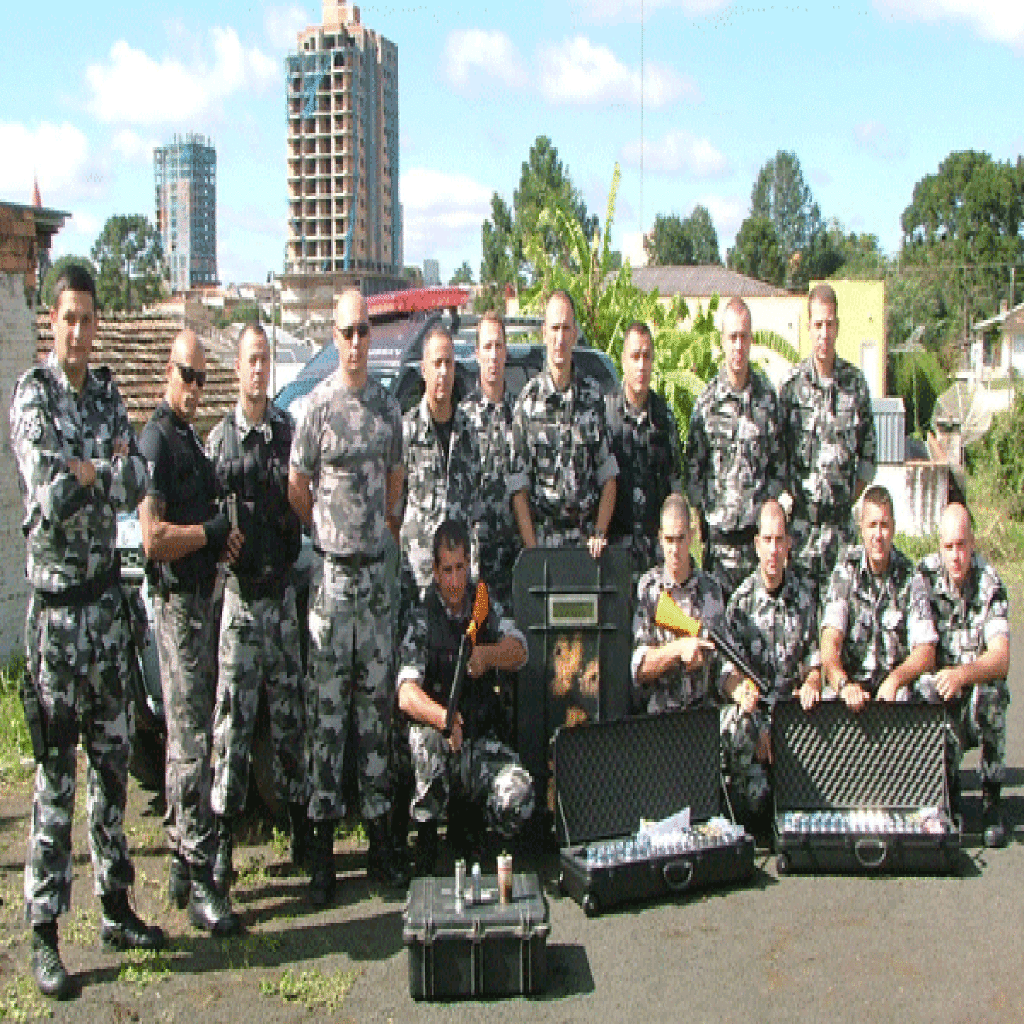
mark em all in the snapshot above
pixel 863 792
pixel 610 775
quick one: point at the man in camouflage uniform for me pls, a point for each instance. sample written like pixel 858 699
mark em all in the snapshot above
pixel 490 412
pixel 562 479
pixel 828 430
pixel 488 773
pixel 259 626
pixel 645 443
pixel 185 534
pixel 671 672
pixel 78 466
pixel 967 622
pixel 735 458
pixel 442 458
pixel 773 619
pixel 345 481
pixel 872 645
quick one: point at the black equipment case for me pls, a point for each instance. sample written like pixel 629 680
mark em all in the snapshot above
pixel 862 791
pixel 609 775
pixel 481 949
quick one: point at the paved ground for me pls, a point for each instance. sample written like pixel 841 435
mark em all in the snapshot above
pixel 785 949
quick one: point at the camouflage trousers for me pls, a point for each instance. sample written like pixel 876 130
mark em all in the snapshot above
pixel 186 636
pixel 748 777
pixel 351 650
pixel 259 646
pixel 76 658
pixel 979 720
pixel 817 547
pixel 488 773
pixel 730 564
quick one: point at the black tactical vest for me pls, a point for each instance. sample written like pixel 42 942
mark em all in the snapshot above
pixel 659 471
pixel 258 477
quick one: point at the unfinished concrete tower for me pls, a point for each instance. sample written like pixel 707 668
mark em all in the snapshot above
pixel 186 209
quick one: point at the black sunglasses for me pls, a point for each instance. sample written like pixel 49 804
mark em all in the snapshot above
pixel 349 332
pixel 190 375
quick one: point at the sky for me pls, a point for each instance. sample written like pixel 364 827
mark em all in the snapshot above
pixel 870 96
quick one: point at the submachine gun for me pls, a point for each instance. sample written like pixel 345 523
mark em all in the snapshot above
pixel 670 616
pixel 481 608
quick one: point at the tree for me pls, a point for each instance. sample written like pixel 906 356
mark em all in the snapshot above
pixel 676 241
pixel 464 275
pixel 543 182
pixel 46 293
pixel 757 252
pixel 967 218
pixel 703 238
pixel 668 244
pixel 782 196
pixel 130 263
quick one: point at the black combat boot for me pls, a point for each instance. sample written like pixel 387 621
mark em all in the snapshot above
pixel 994 831
pixel 380 857
pixel 208 909
pixel 301 828
pixel 47 967
pixel 122 928
pixel 322 878
pixel 179 881
pixel 223 868
pixel 426 849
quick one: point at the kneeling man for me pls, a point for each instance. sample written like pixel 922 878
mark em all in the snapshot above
pixel 488 772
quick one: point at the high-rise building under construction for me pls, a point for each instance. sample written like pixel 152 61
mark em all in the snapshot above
pixel 344 217
pixel 186 210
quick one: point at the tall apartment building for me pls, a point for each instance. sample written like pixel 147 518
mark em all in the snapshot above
pixel 186 209
pixel 344 217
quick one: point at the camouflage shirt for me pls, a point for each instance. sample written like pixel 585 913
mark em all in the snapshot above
pixel 735 459
pixel 560 452
pixel 962 625
pixel 873 613
pixel 700 597
pixel 778 632
pixel 72 529
pixel 347 442
pixel 829 433
pixel 496 528
pixel 436 488
pixel 648 458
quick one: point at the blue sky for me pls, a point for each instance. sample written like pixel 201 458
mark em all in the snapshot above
pixel 870 96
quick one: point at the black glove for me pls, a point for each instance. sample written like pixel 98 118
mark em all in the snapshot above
pixel 217 530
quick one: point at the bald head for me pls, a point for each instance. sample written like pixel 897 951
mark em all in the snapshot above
pixel 186 374
pixel 253 367
pixel 956 543
pixel 772 544
pixel 352 336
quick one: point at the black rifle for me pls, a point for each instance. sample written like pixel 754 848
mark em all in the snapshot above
pixel 481 606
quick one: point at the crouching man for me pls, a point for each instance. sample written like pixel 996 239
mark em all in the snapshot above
pixel 487 772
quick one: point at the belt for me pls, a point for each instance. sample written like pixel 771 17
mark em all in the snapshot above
pixel 744 536
pixel 82 593
pixel 250 589
pixel 351 563
pixel 202 586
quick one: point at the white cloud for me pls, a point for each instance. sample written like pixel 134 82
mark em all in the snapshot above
pixel 282 25
pixel 577 71
pixel 475 57
pixel 678 152
pixel 441 212
pixel 133 88
pixel 630 10
pixel 873 137
pixel 133 147
pixel 999 20
pixel 58 155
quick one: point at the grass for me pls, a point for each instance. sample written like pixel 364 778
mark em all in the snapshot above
pixel 143 967
pixel 312 989
pixel 15 745
pixel 20 1001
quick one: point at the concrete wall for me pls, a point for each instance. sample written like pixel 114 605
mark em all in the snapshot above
pixel 17 352
pixel 920 491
